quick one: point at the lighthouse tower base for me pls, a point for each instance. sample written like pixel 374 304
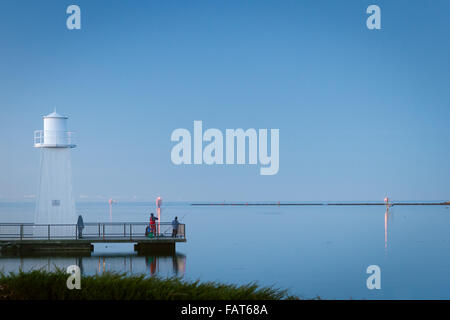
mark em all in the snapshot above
pixel 55 201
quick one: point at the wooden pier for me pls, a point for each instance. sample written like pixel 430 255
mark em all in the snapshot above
pixel 16 238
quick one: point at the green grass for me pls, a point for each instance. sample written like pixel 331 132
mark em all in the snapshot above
pixel 43 285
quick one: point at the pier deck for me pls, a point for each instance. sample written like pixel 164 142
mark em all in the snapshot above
pixel 19 238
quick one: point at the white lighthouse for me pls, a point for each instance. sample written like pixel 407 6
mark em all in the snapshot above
pixel 55 201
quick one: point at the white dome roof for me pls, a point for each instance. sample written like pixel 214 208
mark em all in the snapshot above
pixel 54 114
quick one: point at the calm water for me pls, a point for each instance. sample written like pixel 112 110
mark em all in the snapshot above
pixel 321 250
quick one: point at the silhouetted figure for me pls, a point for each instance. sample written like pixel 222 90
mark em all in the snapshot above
pixel 175 225
pixel 80 226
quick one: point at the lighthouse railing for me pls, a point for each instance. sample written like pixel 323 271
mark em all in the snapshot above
pixel 92 231
pixel 53 138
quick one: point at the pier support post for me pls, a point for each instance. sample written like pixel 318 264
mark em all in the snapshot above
pixel 157 248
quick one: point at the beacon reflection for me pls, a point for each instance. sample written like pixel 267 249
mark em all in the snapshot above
pixel 387 216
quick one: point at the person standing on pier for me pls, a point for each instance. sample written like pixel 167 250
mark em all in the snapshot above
pixel 80 226
pixel 153 224
pixel 175 225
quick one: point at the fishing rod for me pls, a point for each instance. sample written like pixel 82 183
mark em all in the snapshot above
pixel 184 216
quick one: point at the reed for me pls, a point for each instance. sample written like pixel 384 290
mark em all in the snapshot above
pixel 43 285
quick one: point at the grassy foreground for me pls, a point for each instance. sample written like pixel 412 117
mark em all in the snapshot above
pixel 43 285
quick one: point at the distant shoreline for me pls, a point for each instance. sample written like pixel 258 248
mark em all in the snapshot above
pixel 324 204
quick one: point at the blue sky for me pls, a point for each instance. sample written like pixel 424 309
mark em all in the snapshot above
pixel 361 113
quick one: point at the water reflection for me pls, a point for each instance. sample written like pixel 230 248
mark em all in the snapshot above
pixel 387 216
pixel 161 265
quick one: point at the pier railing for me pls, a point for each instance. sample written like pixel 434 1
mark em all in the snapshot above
pixel 91 231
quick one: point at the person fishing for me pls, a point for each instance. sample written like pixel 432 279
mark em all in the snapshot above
pixel 175 225
pixel 80 226
pixel 153 223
